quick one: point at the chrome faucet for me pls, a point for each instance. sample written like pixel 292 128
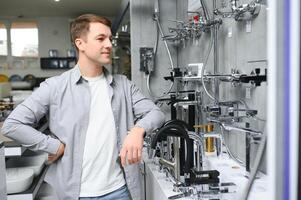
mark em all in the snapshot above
pixel 200 148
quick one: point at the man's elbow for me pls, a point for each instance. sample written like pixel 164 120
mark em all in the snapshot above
pixel 8 127
pixel 161 118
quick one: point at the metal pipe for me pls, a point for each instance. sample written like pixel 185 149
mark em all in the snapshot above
pixel 248 149
pixel 205 11
pixel 186 103
pixel 216 55
pixel 241 129
pixel 214 6
pixel 177 160
pixel 199 139
pixel 236 128
pixel 167 163
pixel 231 109
pixel 175 166
pixel 159 29
pixel 218 76
pixel 168 152
pixel 200 149
pixel 228 149
pixel 205 65
pixel 165 43
pixel 198 159
pixel 215 69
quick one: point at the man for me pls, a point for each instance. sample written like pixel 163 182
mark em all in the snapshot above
pixel 96 119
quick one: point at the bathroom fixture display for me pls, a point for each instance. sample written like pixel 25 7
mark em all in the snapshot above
pixel 222 62
pixel 255 78
pixel 241 12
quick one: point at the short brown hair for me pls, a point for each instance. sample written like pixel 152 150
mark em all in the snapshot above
pixel 80 26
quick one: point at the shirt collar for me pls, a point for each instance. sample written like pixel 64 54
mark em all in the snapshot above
pixel 108 76
pixel 77 77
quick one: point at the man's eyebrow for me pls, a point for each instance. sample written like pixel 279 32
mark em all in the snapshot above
pixel 103 35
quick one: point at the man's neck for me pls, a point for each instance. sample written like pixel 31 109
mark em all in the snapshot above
pixel 88 69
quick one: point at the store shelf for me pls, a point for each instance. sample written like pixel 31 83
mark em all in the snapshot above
pixel 2 173
pixel 31 193
pixel 13 149
pixel 10 148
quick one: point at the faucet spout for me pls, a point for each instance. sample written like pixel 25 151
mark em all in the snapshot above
pixel 241 129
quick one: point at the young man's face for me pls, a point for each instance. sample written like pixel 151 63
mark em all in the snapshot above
pixel 96 45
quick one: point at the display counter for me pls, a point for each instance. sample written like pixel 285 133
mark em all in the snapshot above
pixel 159 186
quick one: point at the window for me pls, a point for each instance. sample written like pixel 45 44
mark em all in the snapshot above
pixel 24 39
pixel 3 40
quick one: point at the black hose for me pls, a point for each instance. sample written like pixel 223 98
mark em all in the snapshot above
pixel 180 123
pixel 175 130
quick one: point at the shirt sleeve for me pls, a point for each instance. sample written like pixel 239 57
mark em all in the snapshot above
pixel 147 114
pixel 19 124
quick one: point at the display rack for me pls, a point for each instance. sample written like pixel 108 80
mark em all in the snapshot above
pixel 159 186
pixel 9 149
pixel 2 173
pixel 30 193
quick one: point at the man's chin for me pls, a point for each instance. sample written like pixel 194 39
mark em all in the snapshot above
pixel 104 62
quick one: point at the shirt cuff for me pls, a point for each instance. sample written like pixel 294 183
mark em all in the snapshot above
pixel 53 145
pixel 144 126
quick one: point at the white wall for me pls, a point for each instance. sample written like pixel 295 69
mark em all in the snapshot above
pixel 53 34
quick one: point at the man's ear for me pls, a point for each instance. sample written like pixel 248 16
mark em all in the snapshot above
pixel 79 43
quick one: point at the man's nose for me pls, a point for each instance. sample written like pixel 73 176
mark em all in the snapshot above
pixel 108 44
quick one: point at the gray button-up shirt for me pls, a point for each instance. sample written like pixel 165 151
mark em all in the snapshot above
pixel 65 99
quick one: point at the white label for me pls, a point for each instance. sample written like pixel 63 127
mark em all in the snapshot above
pixel 230 32
pixel 249 26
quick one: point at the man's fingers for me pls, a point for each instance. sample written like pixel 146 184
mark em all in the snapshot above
pixel 130 155
pixel 135 155
pixel 132 146
pixel 139 154
pixel 52 158
pixel 123 157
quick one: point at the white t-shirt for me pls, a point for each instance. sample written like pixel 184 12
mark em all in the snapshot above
pixel 101 173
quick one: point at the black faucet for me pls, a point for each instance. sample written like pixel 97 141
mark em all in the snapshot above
pixel 255 78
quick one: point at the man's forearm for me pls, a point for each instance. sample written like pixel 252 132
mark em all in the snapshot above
pixel 138 130
pixel 152 120
pixel 29 137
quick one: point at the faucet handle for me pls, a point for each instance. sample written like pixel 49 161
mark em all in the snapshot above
pixel 257 71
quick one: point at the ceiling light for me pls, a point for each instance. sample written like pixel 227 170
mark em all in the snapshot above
pixel 56 0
